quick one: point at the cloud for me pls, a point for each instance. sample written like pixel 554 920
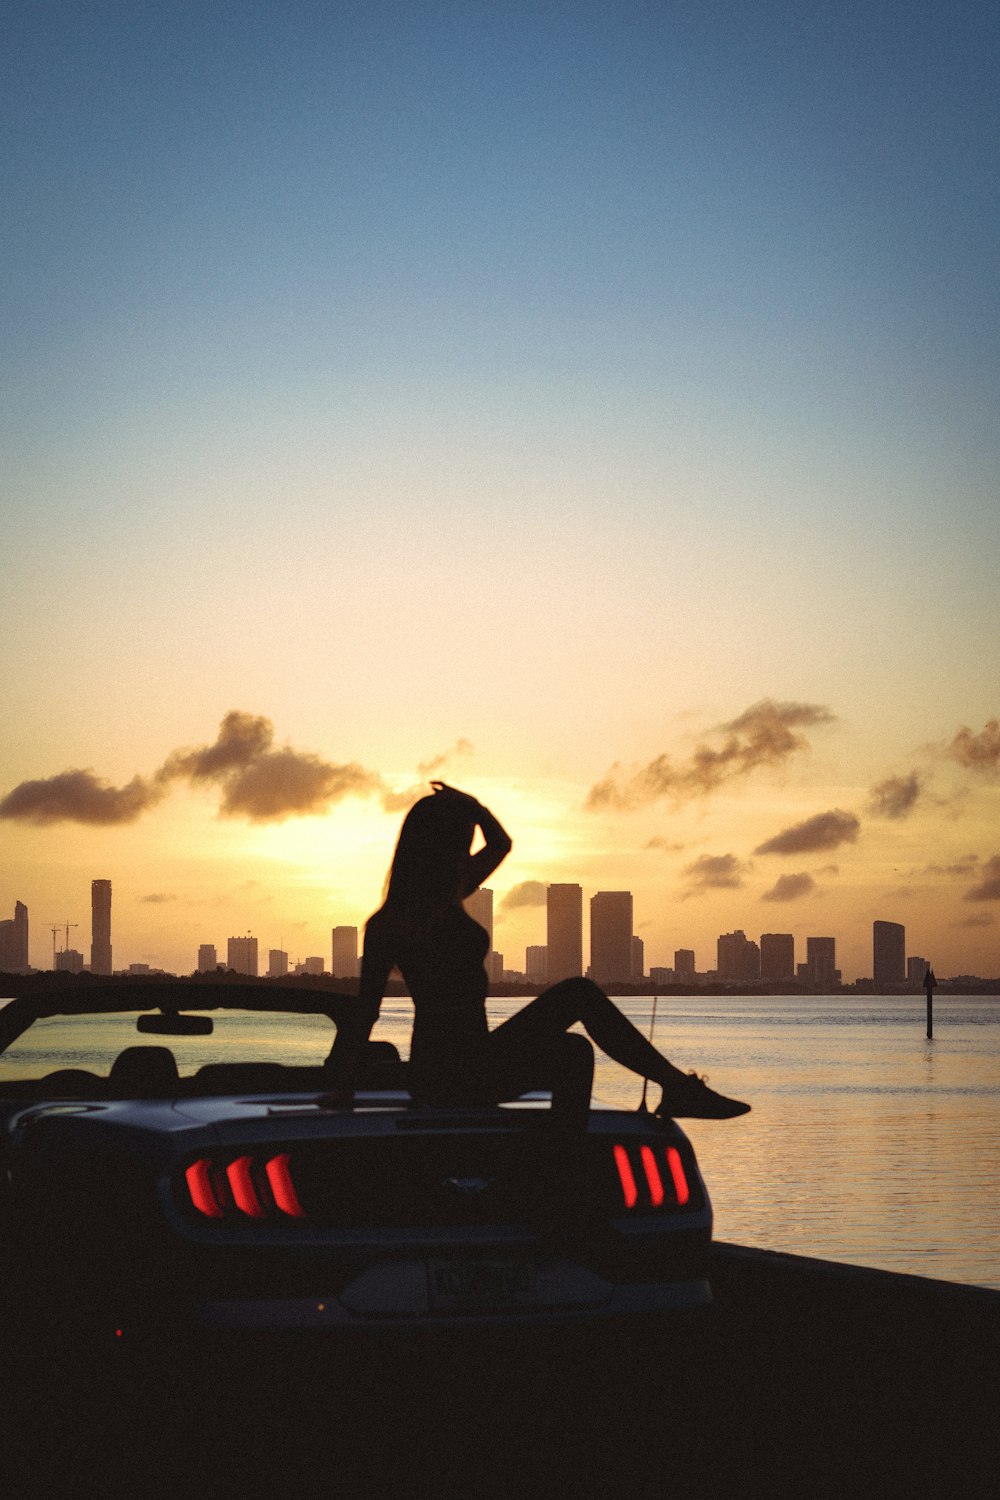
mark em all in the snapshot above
pixel 824 831
pixel 79 797
pixel 790 888
pixel 257 782
pixel 764 735
pixel 665 844
pixel 978 919
pixel 977 752
pixel 896 797
pixel 528 893
pixel 962 868
pixel 988 888
pixel 712 872
pixel 262 784
pixel 461 747
pixel 157 899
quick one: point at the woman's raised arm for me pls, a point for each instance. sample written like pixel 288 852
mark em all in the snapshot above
pixel 497 840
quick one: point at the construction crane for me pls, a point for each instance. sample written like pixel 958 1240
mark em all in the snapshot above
pixel 56 928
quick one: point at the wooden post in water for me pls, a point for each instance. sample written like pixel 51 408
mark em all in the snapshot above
pixel 929 983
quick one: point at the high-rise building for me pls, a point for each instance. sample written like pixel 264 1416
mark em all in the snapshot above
pixel 684 966
pixel 100 931
pixel 208 958
pixel 69 961
pixel 241 955
pixel 611 936
pixel 315 964
pixel 638 959
pixel 564 932
pixel 738 957
pixel 480 908
pixel 14 942
pixel 777 955
pixel 344 953
pixel 536 965
pixel 277 963
pixel 821 960
pixel 916 970
pixel 888 952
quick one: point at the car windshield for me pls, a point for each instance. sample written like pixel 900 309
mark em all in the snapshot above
pixel 93 1041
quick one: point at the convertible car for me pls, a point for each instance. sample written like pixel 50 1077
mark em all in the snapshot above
pixel 172 1163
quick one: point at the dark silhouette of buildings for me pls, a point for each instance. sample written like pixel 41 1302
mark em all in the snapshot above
pixel 14 942
pixel 888 952
pixel 344 950
pixel 241 955
pixel 536 963
pixel 777 955
pixel 611 936
pixel 738 957
pixel 564 932
pixel 100 928
pixel 684 964
pixel 821 960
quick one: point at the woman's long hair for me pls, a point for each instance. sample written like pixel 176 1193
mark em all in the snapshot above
pixel 430 857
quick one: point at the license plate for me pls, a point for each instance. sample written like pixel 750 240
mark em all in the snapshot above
pixel 479 1285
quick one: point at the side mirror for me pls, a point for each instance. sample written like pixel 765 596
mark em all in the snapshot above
pixel 173 1023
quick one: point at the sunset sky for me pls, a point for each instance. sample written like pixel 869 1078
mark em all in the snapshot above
pixel 593 405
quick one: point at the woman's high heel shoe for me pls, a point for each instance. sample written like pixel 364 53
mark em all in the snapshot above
pixel 690 1096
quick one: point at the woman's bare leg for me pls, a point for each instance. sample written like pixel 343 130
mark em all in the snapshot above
pixel 531 1032
pixel 580 1000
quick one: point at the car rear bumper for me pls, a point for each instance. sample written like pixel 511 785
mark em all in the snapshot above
pixel 416 1294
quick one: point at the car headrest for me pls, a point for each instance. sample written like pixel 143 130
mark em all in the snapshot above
pixel 143 1073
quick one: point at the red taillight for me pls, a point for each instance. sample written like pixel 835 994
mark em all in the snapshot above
pixel 676 1166
pixel 647 1189
pixel 282 1186
pixel 626 1177
pixel 199 1181
pixel 653 1179
pixel 239 1188
pixel 244 1193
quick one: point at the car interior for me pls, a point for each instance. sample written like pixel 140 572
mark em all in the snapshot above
pixel 150 1072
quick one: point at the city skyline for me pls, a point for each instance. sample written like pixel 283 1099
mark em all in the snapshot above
pixel 616 953
pixel 592 405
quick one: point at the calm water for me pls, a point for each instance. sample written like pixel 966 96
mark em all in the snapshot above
pixel 867 1143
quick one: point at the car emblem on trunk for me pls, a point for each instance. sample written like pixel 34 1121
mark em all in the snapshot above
pixel 468 1185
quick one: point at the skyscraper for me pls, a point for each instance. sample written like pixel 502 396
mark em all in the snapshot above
pixel 777 955
pixel 684 963
pixel 536 962
pixel 564 939
pixel 100 930
pixel 611 936
pixel 344 953
pixel 208 959
pixel 888 952
pixel 241 955
pixel 738 957
pixel 14 942
pixel 277 963
pixel 821 960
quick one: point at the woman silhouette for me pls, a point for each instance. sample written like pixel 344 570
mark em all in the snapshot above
pixel 423 929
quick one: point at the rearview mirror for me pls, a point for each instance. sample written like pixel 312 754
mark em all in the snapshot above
pixel 173 1023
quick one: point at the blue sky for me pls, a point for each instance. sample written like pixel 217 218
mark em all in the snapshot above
pixel 543 375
